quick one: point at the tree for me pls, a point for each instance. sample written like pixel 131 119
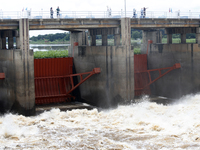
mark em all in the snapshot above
pixel 135 34
pixel 191 36
pixel 52 37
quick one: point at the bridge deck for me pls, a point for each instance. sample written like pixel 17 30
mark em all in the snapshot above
pixel 84 23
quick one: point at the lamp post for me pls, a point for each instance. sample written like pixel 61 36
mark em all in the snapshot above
pixel 125 7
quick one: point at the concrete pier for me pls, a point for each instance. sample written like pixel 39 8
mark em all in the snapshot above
pixel 198 36
pixel 104 39
pixel 3 42
pixel 169 38
pixel 17 89
pixel 115 83
pixel 179 82
pixel 154 35
pixel 183 38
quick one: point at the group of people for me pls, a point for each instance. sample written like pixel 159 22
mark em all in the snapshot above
pixel 143 13
pixel 57 10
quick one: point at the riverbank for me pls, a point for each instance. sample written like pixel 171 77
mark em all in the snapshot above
pixel 48 42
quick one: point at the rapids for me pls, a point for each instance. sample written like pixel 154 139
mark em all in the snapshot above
pixel 145 125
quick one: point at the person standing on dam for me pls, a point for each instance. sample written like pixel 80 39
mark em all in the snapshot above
pixel 178 14
pixel 144 10
pixel 110 12
pixel 107 11
pixel 58 12
pixel 142 13
pixel 134 13
pixel 51 12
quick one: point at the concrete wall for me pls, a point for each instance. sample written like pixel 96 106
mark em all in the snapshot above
pixel 13 89
pixel 110 87
pixel 80 37
pixel 115 84
pixel 154 35
pixel 179 82
pixel 7 85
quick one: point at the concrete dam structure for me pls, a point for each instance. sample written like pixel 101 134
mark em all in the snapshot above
pixel 115 83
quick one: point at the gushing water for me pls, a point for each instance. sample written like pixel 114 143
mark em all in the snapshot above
pixel 144 125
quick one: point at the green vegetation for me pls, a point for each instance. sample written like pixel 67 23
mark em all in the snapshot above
pixel 137 50
pixel 190 40
pixel 63 53
pixel 136 34
pixel 51 38
pixel 50 54
pixel 178 40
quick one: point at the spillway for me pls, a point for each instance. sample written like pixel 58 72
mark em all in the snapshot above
pixel 141 125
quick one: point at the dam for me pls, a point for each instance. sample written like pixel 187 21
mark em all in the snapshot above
pixel 113 81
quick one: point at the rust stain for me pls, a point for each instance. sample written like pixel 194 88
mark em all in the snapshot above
pixel 8 28
pixel 35 27
pixel 163 26
pixel 2 76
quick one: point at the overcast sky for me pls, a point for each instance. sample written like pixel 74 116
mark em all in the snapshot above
pixel 99 5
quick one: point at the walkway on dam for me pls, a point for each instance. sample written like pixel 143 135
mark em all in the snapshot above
pixel 76 20
pixel 98 14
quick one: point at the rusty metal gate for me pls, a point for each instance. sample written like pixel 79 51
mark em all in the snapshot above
pixel 50 84
pixel 54 80
pixel 143 78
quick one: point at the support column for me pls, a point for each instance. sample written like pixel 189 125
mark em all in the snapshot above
pixel 104 40
pixel 93 40
pixel 117 33
pixel 0 42
pixel 169 38
pixel 198 36
pixel 73 39
pixel 159 37
pixel 81 37
pixel 10 34
pixel 3 42
pixel 183 38
pixel 148 35
pixel 117 39
pixel 24 73
pixel 17 39
pixel 10 43
pixel 1 35
pixel 126 31
pixel 129 58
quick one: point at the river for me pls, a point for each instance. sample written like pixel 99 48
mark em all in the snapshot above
pixel 145 125
pixel 46 47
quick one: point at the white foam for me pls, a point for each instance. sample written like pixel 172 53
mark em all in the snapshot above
pixel 144 125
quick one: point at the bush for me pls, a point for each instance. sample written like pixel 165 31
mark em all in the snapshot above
pixel 137 51
pixel 51 54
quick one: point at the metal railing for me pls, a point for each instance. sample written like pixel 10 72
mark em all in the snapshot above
pixel 97 14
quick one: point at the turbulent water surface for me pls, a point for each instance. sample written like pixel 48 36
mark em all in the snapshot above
pixel 145 125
